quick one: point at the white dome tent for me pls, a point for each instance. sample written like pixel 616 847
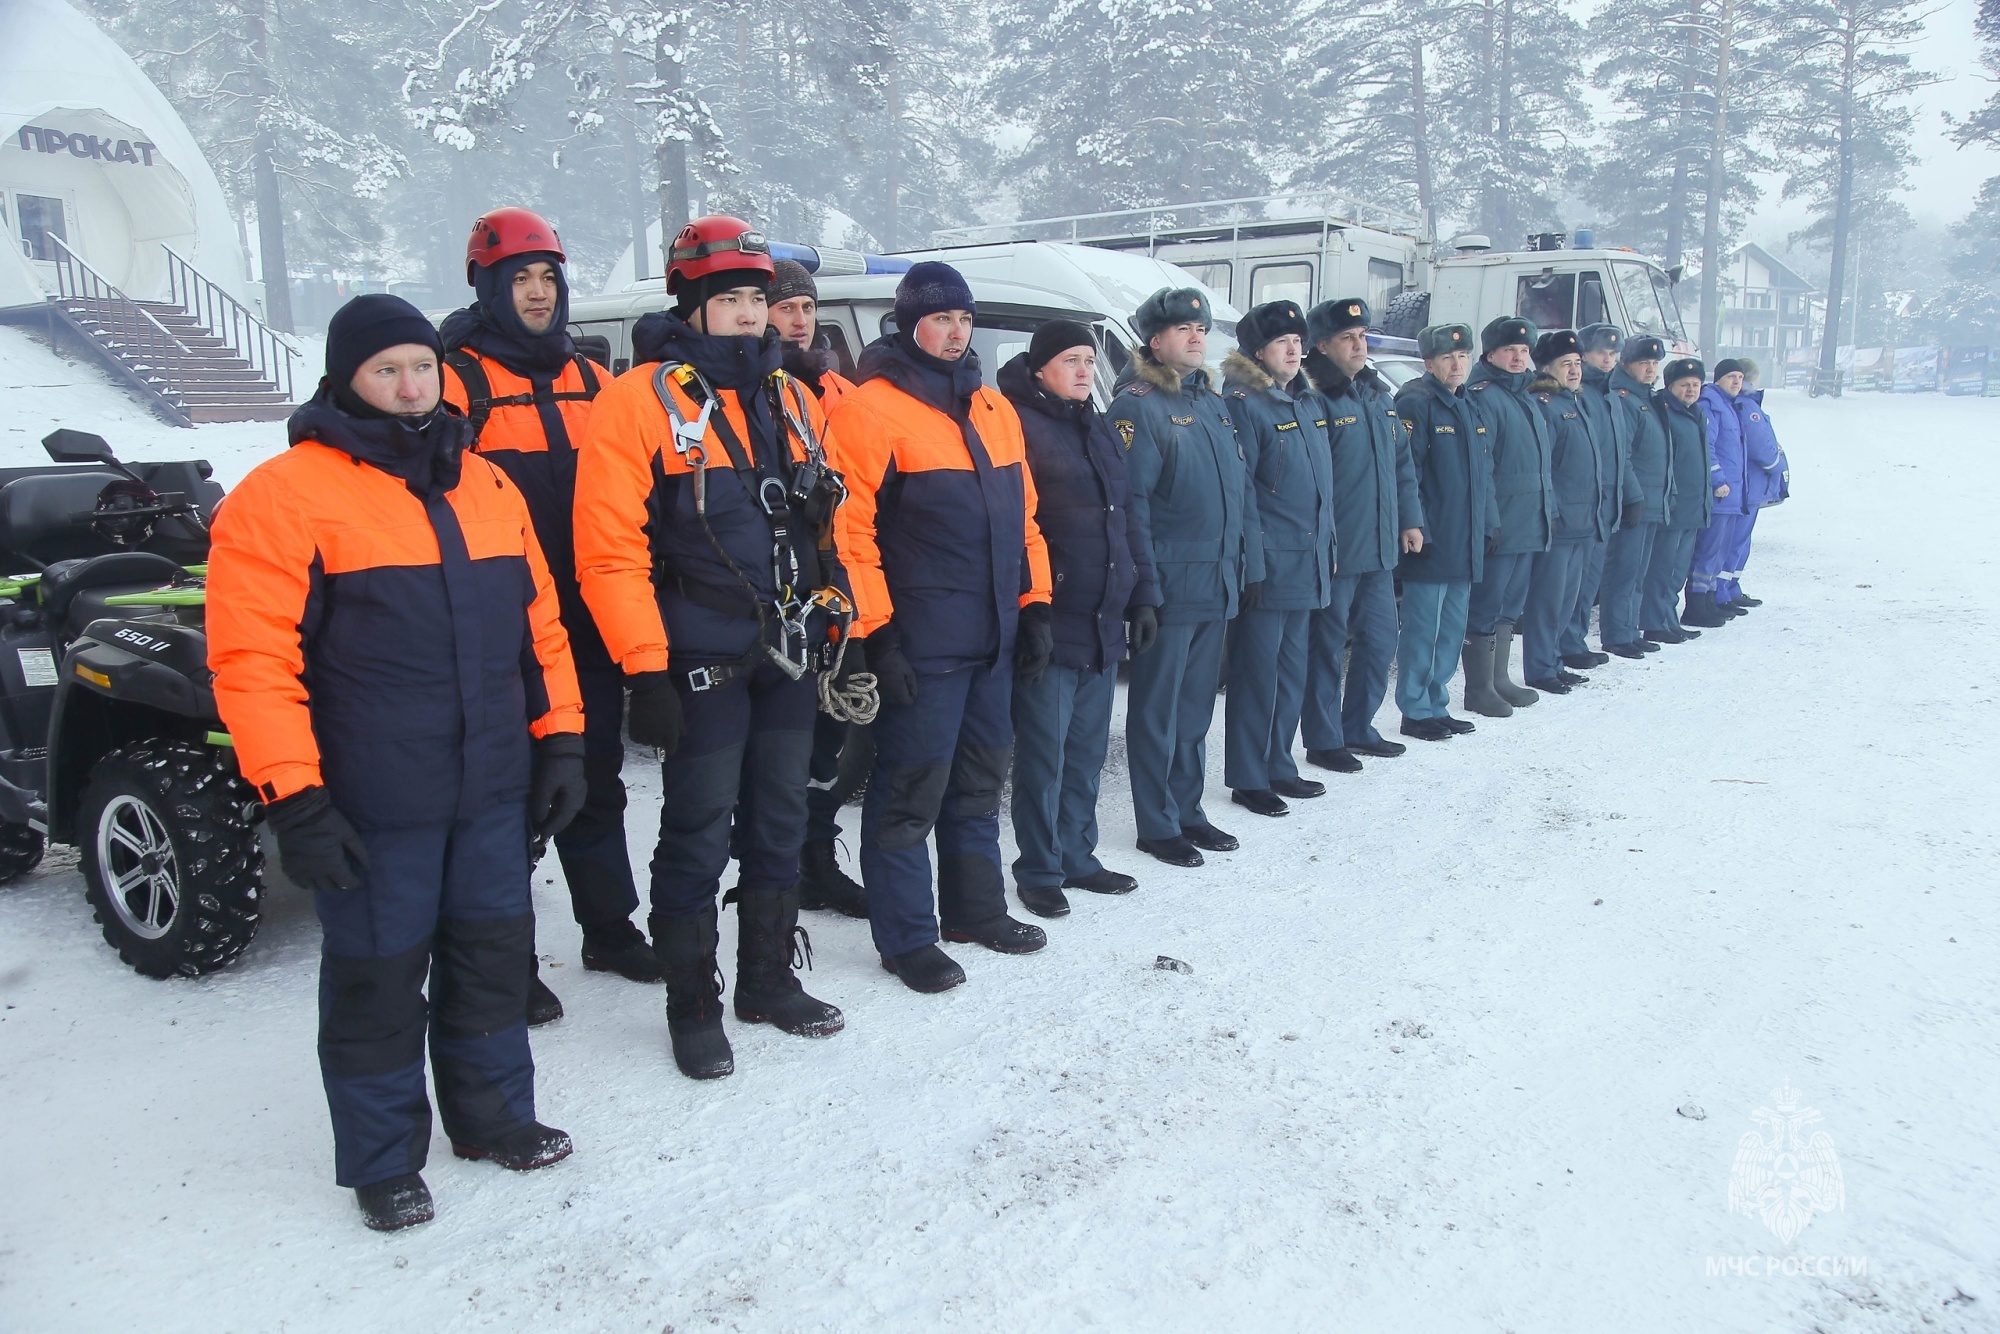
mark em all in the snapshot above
pixel 116 226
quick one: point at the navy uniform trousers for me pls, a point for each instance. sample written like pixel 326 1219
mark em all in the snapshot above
pixel 745 751
pixel 1553 591
pixel 596 863
pixel 939 764
pixel 1062 728
pixel 1267 686
pixel 1626 557
pixel 449 902
pixel 1573 635
pixel 1354 639
pixel 1666 576
pixel 1169 703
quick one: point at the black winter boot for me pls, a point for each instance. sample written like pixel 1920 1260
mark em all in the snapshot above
pixel 520 1150
pixel 399 1202
pixel 972 907
pixel 620 949
pixel 824 886
pixel 926 968
pixel 686 947
pixel 1701 611
pixel 770 944
pixel 543 1007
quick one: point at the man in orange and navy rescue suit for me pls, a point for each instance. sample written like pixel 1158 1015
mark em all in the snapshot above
pixel 951 584
pixel 700 498
pixel 389 660
pixel 510 365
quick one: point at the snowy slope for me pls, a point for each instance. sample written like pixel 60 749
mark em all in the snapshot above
pixel 1424 1075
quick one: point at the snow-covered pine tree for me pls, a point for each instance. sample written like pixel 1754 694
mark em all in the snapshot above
pixel 286 99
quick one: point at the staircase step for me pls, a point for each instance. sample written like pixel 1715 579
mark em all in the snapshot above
pixel 260 412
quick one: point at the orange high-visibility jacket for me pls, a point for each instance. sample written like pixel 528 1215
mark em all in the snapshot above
pixel 619 548
pixel 399 653
pixel 946 546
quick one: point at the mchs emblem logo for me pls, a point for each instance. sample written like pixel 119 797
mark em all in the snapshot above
pixel 1783 1176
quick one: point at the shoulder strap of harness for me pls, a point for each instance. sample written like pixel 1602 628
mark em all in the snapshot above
pixel 480 400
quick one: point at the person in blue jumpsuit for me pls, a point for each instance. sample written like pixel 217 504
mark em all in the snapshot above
pixel 1577 464
pixel 1281 424
pixel 1378 516
pixel 1105 598
pixel 1770 477
pixel 1525 493
pixel 1455 481
pixel 1679 405
pixel 1728 467
pixel 1192 489
pixel 1644 431
pixel 1600 344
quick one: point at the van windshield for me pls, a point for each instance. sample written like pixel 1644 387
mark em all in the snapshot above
pixel 1649 301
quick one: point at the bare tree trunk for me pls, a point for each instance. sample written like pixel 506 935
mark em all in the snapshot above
pixel 1711 231
pixel 1827 379
pixel 635 198
pixel 264 175
pixel 670 73
pixel 893 225
pixel 1487 127
pixel 1503 128
pixel 1420 138
pixel 1677 191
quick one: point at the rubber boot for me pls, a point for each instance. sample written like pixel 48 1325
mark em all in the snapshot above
pixel 770 943
pixel 1701 611
pixel 686 947
pixel 1503 685
pixel 823 885
pixel 1480 697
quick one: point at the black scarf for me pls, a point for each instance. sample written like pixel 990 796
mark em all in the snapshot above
pixel 947 386
pixel 426 452
pixel 492 327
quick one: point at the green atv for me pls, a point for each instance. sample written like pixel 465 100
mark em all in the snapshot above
pixel 109 738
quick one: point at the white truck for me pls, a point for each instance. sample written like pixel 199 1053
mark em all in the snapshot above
pixel 1316 247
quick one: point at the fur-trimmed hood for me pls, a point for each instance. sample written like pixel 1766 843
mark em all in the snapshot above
pixel 1544 383
pixel 1332 381
pixel 1241 369
pixel 1147 367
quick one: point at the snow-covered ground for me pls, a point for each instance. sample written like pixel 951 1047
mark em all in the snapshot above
pixel 1470 1044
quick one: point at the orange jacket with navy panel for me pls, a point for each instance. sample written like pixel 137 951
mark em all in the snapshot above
pixel 399 648
pixel 635 504
pixel 535 442
pixel 938 529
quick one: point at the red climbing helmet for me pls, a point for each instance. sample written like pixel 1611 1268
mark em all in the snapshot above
pixel 715 244
pixel 509 231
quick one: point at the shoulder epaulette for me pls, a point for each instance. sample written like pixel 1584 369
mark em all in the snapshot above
pixel 1139 389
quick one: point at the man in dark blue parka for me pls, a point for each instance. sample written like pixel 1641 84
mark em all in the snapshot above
pixel 1104 593
pixel 1193 496
pixel 1679 405
pixel 1281 424
pixel 1643 428
pixel 1577 465
pixel 1525 492
pixel 1378 515
pixel 1455 480
pixel 1600 344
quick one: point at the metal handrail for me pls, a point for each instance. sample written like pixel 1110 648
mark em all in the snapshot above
pixel 147 346
pixel 1318 205
pixel 233 322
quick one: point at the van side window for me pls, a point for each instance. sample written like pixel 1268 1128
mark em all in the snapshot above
pixel 1546 300
pixel 1282 282
pixel 836 339
pixel 1215 276
pixel 1385 284
pixel 600 341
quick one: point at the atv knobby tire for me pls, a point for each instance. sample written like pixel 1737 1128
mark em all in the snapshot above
pixel 21 848
pixel 171 862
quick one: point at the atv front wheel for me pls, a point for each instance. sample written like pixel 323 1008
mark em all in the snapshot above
pixel 20 850
pixel 171 861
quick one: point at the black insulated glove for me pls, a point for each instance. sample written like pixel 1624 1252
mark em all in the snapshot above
pixel 653 717
pixel 317 847
pixel 1142 629
pixel 1252 596
pixel 1034 641
pixel 895 679
pixel 556 792
pixel 1631 516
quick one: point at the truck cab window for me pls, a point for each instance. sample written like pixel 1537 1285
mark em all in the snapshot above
pixel 1546 300
pixel 1281 282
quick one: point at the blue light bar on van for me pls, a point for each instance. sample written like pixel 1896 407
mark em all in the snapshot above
pixel 831 262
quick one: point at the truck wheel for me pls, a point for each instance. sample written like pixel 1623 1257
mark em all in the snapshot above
pixel 1407 315
pixel 20 850
pixel 171 862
